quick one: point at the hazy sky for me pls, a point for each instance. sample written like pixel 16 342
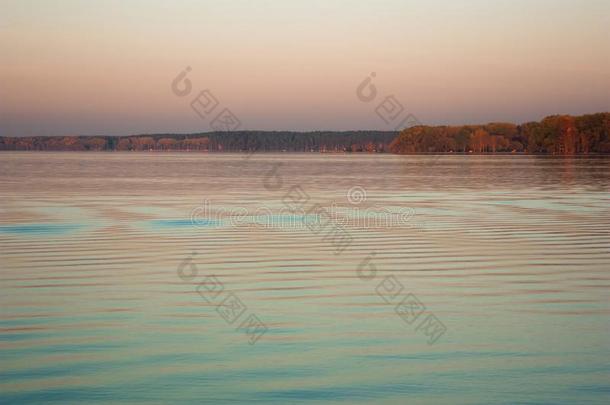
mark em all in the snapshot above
pixel 105 67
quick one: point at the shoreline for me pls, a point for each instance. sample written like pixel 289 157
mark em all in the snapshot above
pixel 195 152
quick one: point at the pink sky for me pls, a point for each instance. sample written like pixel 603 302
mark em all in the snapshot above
pixel 105 67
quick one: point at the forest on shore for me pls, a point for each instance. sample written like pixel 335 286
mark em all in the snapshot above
pixel 557 134
pixel 229 141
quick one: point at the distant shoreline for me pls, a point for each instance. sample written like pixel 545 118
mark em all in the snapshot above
pixel 252 153
pixel 554 135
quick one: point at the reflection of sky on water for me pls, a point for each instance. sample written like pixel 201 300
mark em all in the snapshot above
pixel 92 310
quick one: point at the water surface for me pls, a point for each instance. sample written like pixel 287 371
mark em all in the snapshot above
pixel 510 253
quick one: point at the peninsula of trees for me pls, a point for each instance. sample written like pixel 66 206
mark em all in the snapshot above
pixel 557 134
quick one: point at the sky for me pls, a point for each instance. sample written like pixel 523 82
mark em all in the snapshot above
pixel 107 67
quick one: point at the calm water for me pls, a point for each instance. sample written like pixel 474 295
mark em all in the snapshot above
pixel 509 255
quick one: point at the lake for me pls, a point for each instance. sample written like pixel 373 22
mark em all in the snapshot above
pixel 292 278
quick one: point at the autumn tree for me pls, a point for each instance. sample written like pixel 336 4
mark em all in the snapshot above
pixel 480 140
pixel 166 143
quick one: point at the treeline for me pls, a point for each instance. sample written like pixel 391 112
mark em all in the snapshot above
pixel 556 134
pixel 234 141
